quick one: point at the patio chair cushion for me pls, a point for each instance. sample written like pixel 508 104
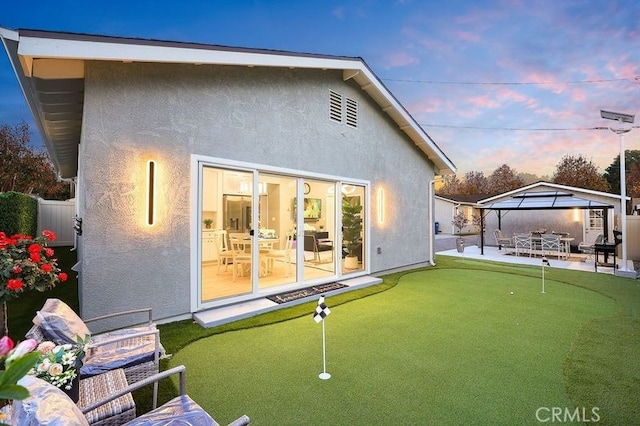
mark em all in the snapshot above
pixel 122 354
pixel 180 410
pixel 46 405
pixel 60 323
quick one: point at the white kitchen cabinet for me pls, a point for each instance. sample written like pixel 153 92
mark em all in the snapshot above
pixel 209 252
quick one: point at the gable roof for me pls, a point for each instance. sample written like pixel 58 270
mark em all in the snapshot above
pixel 545 200
pixel 558 187
pixel 50 69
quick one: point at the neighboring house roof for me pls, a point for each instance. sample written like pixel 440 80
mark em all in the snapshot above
pixel 462 199
pixel 545 185
pixel 50 69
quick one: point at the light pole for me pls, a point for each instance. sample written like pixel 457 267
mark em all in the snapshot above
pixel 621 130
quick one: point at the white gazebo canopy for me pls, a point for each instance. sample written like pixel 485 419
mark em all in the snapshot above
pixel 543 200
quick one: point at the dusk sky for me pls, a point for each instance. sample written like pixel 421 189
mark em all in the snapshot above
pixel 492 82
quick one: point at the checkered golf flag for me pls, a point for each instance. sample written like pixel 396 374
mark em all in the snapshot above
pixel 321 310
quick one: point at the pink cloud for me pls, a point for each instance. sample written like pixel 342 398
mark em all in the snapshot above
pixel 400 59
pixel 468 36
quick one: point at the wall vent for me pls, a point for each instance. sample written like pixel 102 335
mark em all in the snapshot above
pixel 352 113
pixel 335 106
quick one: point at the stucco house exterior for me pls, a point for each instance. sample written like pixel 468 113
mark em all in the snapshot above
pixel 265 146
pixel 448 206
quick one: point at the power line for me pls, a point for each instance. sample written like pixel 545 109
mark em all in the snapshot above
pixel 513 83
pixel 541 129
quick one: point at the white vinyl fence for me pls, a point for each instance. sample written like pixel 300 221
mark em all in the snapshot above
pixel 57 216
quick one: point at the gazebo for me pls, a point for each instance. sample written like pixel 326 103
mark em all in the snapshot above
pixel 542 200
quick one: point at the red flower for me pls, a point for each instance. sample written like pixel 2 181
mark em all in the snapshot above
pixel 49 251
pixel 62 276
pixel 17 269
pixel 14 284
pixel 35 248
pixel 49 235
pixel 46 267
pixel 35 257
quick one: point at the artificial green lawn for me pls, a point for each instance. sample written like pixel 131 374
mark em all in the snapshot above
pixel 443 346
pixel 447 323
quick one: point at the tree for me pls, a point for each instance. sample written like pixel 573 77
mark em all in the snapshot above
pixel 579 172
pixel 474 183
pixel 504 179
pixel 529 178
pixel 25 169
pixel 612 173
pixel 451 185
pixel 633 180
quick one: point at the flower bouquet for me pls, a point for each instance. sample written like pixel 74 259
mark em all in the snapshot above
pixel 59 364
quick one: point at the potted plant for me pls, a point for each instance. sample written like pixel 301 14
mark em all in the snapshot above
pixel 459 221
pixel 207 223
pixel 351 231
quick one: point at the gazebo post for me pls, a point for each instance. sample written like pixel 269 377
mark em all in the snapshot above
pixel 482 232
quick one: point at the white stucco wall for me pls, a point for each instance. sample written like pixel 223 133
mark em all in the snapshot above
pixel 166 112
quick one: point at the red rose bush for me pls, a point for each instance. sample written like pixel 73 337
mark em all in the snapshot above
pixel 27 263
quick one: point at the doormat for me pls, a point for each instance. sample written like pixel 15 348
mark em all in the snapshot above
pixel 304 292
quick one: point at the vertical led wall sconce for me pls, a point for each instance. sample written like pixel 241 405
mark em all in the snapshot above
pixel 380 205
pixel 151 192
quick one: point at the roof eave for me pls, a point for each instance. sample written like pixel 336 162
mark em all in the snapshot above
pixel 29 45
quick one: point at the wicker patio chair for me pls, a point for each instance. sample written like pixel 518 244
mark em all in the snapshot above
pixel 49 405
pixel 180 410
pixel 136 349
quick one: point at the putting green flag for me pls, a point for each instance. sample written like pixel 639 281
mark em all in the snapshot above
pixel 321 310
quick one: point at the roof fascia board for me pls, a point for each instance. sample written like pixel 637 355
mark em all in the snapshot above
pixel 8 34
pixel 370 83
pixel 127 52
pixel 10 40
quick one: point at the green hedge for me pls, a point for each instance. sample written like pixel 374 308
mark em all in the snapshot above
pixel 18 214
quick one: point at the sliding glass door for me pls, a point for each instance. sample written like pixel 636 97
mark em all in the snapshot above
pixel 321 242
pixel 261 231
pixel 276 231
pixel 353 228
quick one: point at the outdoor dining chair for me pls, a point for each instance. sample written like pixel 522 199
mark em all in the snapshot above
pixel 501 240
pixel 590 248
pixel 522 243
pixel 551 245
